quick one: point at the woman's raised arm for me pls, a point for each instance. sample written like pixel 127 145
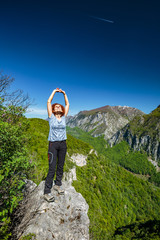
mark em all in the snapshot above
pixel 66 102
pixel 49 106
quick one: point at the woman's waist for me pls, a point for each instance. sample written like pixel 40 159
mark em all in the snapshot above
pixel 58 140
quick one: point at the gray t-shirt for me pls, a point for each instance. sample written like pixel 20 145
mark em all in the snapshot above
pixel 57 131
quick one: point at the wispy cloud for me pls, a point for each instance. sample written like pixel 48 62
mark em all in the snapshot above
pixel 102 19
pixel 42 113
pixel 37 111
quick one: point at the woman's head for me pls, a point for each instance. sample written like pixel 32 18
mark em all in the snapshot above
pixel 58 108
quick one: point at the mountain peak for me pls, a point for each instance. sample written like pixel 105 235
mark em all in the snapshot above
pixel 105 120
pixel 106 108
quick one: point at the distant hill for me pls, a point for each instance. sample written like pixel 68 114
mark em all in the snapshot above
pixel 142 133
pixel 105 120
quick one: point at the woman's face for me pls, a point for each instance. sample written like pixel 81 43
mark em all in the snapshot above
pixel 57 108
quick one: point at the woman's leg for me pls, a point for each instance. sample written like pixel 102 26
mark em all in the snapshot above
pixel 61 159
pixel 52 158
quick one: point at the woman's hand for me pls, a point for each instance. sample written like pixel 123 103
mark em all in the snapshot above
pixel 57 90
pixel 60 90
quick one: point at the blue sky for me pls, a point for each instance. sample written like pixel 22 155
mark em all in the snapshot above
pixel 67 44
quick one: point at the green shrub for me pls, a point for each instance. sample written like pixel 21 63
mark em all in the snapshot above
pixel 14 165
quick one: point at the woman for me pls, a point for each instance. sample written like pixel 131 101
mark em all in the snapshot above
pixel 57 144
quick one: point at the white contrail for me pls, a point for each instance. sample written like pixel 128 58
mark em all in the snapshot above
pixel 102 19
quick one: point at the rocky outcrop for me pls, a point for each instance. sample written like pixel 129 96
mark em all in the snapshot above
pixel 143 132
pixel 106 120
pixel 155 164
pixel 146 142
pixel 64 219
pixel 80 159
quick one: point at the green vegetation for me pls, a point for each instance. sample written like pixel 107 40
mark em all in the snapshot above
pixel 38 145
pixel 14 162
pixel 155 178
pixel 98 143
pixel 136 162
pixel 116 197
pixel 147 124
pixel 143 230
pixel 121 154
pixel 30 236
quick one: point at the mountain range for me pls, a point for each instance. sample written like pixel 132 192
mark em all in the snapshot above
pixel 117 123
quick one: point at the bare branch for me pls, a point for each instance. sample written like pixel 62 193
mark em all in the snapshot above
pixel 5 82
pixel 16 98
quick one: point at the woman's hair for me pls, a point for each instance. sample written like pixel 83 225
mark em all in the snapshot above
pixel 63 109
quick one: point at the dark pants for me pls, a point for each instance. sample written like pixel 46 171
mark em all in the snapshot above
pixel 55 149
